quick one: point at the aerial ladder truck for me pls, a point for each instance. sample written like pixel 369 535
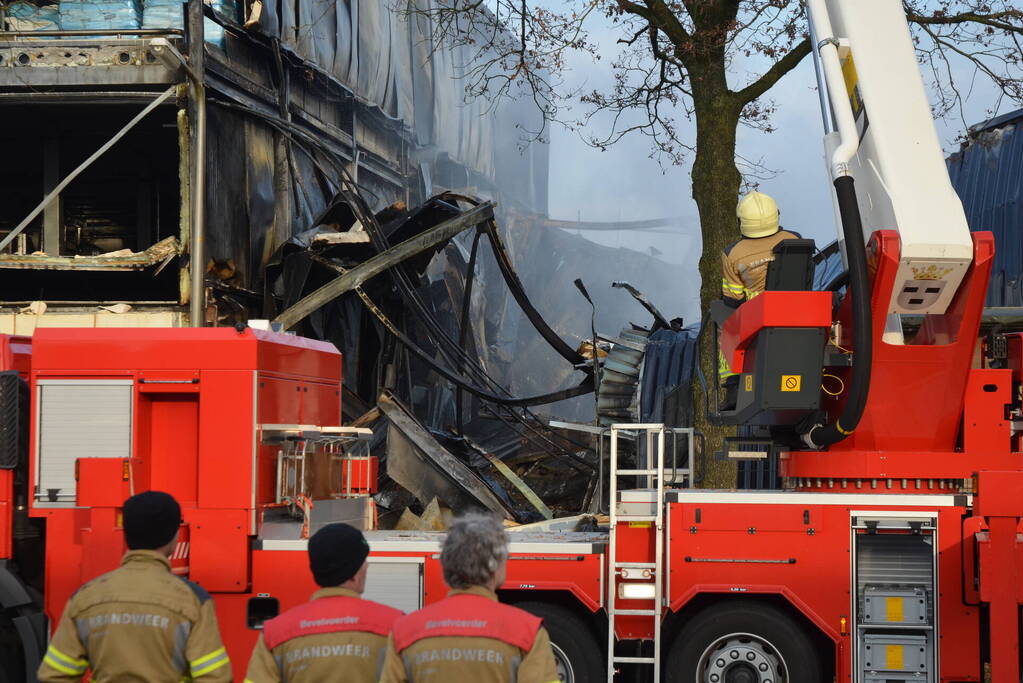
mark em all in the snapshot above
pixel 891 551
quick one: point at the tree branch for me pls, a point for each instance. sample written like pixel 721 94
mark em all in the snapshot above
pixel 664 19
pixel 774 74
pixel 993 20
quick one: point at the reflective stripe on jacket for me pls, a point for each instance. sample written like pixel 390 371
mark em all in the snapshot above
pixel 139 622
pixel 337 631
pixel 470 636
pixel 744 265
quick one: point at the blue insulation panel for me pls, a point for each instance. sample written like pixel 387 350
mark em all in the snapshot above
pixel 99 15
pixel 987 172
pixel 25 16
pixel 157 14
pixel 112 15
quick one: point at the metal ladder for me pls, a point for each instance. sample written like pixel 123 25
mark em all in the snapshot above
pixel 654 435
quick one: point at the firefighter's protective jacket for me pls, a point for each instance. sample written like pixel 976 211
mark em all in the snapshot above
pixel 139 622
pixel 337 636
pixel 470 636
pixel 744 265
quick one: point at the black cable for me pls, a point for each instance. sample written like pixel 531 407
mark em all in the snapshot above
pixel 820 436
pixel 581 389
pixel 511 278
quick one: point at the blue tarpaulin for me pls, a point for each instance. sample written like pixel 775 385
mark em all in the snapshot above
pixel 99 15
pixel 987 172
pixel 25 16
pixel 157 14
pixel 113 15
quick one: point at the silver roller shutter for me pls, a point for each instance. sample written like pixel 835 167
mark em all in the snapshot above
pixel 79 419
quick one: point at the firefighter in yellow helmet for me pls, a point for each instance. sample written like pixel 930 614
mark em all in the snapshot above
pixel 744 265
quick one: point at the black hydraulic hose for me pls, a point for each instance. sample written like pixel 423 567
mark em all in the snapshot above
pixel 820 436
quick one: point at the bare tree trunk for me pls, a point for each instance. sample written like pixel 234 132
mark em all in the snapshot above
pixel 716 183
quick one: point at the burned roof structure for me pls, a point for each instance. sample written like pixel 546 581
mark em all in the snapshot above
pixel 299 162
pixel 219 133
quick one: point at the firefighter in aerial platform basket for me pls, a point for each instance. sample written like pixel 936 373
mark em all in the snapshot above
pixel 337 636
pixel 744 267
pixel 140 622
pixel 469 635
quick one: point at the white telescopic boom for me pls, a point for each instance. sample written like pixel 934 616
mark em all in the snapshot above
pixel 886 142
pixel 827 49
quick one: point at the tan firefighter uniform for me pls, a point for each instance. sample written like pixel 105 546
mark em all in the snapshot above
pixel 336 636
pixel 138 623
pixel 744 265
pixel 470 636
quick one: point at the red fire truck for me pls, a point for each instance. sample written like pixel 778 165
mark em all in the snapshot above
pixel 892 552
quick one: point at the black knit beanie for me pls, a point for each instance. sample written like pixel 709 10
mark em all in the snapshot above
pixel 336 552
pixel 150 520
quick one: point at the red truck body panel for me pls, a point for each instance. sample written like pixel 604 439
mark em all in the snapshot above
pixel 199 396
pixel 196 395
pixel 16 355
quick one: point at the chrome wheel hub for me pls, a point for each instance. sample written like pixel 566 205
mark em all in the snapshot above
pixel 741 658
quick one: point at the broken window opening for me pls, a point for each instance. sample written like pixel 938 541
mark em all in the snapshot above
pixel 118 221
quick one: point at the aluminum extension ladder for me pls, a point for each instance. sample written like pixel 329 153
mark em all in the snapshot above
pixel 654 504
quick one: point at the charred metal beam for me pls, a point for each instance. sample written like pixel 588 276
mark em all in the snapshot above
pixel 644 302
pixel 417 462
pixel 400 252
pixel 196 71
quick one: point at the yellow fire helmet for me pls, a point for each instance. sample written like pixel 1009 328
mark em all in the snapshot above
pixel 758 215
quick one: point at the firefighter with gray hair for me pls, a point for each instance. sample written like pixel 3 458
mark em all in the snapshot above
pixel 469 635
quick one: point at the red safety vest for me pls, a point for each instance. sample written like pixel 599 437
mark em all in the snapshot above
pixel 467 615
pixel 330 615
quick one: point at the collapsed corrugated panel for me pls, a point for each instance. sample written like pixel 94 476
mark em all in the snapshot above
pixel 619 378
pixel 667 377
pixel 987 172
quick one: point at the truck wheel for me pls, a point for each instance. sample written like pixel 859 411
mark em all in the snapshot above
pixel 743 642
pixel 576 652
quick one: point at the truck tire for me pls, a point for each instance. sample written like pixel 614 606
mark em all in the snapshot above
pixel 743 642
pixel 576 652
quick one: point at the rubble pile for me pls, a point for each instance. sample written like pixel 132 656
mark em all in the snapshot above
pixel 416 300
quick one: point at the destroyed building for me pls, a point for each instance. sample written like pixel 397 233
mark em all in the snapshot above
pixel 225 163
pixel 292 95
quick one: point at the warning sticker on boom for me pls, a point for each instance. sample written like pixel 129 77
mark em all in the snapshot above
pixel 791 382
pixel 852 88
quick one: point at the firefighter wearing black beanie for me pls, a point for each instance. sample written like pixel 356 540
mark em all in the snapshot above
pixel 336 553
pixel 151 520
pixel 337 631
pixel 128 624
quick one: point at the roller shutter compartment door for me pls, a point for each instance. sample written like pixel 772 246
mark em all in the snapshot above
pixel 79 419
